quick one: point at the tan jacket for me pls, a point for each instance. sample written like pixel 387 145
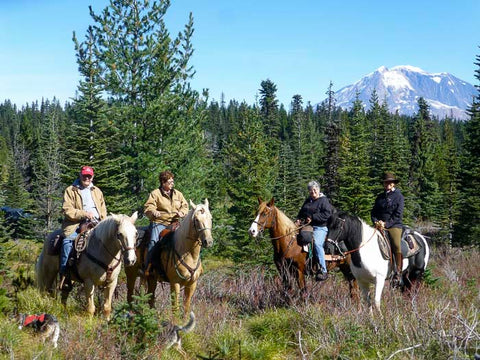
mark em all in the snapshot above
pixel 73 208
pixel 160 208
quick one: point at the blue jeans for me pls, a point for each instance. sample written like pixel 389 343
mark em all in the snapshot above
pixel 67 246
pixel 156 229
pixel 319 235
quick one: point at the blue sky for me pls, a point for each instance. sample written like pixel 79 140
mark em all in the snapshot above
pixel 300 45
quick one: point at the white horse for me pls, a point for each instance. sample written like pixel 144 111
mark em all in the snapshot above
pixel 99 264
pixel 368 264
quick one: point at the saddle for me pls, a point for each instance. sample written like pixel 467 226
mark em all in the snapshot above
pixel 55 241
pixel 410 245
pixel 165 241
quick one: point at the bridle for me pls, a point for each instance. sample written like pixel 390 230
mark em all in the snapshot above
pixel 199 230
pixel 108 268
pixel 335 241
pixel 267 219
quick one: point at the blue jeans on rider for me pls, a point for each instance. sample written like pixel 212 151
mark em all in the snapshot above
pixel 319 235
pixel 156 229
pixel 67 246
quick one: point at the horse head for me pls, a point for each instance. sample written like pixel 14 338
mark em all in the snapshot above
pixel 265 217
pixel 202 222
pixel 127 236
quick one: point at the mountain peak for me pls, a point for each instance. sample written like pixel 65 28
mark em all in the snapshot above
pixel 402 85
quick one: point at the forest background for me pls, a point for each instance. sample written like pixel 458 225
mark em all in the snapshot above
pixel 136 115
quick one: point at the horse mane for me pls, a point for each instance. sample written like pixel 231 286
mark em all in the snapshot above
pixel 285 224
pixel 353 228
pixel 107 226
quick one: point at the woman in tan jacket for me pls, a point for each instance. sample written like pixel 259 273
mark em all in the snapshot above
pixel 164 206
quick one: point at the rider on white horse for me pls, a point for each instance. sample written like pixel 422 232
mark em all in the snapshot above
pixel 387 213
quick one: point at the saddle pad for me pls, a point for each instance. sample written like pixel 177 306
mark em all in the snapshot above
pixel 384 245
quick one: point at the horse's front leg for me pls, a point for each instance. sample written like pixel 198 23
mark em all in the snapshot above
pixel 151 288
pixel 174 296
pixel 89 292
pixel 108 295
pixel 188 294
pixel 131 274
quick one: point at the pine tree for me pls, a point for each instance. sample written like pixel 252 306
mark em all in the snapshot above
pixel 48 186
pixel 355 193
pixel 99 146
pixel 467 230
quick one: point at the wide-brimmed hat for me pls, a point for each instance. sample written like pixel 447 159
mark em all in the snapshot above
pixel 389 177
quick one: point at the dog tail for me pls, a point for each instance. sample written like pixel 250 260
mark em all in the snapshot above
pixel 190 325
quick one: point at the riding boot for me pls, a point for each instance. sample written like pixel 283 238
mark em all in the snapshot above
pixel 398 281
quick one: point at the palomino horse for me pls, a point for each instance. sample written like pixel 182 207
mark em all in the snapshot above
pixel 99 264
pixel 288 256
pixel 368 264
pixel 176 259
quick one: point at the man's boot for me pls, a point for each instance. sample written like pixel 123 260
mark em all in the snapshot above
pixel 397 279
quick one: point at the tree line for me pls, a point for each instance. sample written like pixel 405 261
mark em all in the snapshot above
pixel 135 114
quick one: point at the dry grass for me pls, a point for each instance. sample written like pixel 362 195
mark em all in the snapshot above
pixel 242 314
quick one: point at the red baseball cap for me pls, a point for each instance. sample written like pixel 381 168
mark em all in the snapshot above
pixel 86 170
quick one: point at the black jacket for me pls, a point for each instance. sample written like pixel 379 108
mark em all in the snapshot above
pixel 389 208
pixel 318 210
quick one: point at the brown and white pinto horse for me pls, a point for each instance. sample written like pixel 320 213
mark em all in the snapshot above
pixel 290 259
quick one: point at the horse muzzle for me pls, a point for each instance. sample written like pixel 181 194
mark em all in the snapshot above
pixel 129 257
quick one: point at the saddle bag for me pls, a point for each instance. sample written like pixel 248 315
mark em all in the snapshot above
pixel 305 236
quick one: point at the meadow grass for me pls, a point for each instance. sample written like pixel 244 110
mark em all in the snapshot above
pixel 242 313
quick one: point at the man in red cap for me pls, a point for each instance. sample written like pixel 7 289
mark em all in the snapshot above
pixel 82 201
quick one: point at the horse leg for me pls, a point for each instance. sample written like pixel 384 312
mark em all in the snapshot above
pixel 174 295
pixel 188 292
pixel 379 283
pixel 131 274
pixel 89 292
pixel 151 288
pixel 108 295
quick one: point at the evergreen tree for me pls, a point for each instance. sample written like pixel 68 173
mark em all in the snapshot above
pixel 422 171
pixel 249 171
pixel 355 193
pixel 332 148
pixel 48 187
pixel 269 108
pixel 146 73
pixel 467 230
pixel 99 146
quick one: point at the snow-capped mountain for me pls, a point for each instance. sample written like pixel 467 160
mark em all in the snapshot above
pixel 401 86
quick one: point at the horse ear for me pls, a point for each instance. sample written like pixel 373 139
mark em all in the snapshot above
pixel 134 217
pixel 206 202
pixel 192 205
pixel 259 200
pixel 271 202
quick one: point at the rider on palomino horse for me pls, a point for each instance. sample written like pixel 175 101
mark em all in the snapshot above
pixel 164 207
